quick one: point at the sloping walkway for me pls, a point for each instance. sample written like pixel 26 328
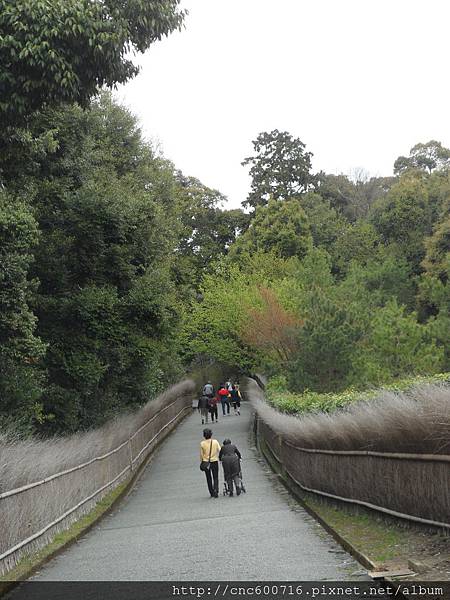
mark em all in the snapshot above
pixel 169 528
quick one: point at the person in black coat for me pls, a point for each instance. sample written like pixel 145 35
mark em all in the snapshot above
pixel 203 407
pixel 231 457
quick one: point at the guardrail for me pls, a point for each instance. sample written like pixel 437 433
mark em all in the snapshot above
pixel 414 487
pixel 31 515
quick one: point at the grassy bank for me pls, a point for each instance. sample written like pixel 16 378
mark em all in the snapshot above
pixel 388 545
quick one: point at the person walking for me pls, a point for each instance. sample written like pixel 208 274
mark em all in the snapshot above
pixel 203 407
pixel 212 407
pixel 224 399
pixel 209 462
pixel 231 457
pixel 236 399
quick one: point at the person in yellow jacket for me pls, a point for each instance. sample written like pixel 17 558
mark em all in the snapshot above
pixel 209 459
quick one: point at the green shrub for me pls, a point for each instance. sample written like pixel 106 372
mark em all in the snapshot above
pixel 308 401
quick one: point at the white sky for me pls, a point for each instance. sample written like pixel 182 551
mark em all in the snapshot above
pixel 359 82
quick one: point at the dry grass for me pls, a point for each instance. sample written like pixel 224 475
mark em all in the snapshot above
pixel 417 421
pixel 26 461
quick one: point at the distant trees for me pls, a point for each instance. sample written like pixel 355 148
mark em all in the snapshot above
pixel 424 157
pixel 334 283
pixel 404 217
pixel 208 229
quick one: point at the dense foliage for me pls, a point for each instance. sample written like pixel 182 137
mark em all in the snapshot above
pixel 346 282
pixel 102 241
pixel 64 50
pixel 104 245
pixel 118 272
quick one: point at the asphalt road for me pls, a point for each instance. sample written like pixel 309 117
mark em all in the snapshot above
pixel 168 528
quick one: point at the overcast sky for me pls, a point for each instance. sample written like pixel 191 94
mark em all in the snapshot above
pixel 359 82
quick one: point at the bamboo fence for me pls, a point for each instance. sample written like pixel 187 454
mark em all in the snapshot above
pixel 33 513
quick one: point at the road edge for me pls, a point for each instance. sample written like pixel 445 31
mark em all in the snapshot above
pixel 294 490
pixel 38 559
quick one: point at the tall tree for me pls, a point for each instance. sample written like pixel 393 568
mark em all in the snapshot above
pixel 280 169
pixel 65 50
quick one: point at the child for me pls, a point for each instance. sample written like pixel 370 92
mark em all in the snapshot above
pixel 212 405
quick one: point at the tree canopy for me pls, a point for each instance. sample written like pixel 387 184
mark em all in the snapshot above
pixel 118 273
pixel 65 50
pixel 280 227
pixel 424 157
pixel 280 169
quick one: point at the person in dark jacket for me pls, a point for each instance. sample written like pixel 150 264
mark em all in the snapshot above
pixel 203 407
pixel 236 399
pixel 230 457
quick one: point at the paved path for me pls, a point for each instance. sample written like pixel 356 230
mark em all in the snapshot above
pixel 169 528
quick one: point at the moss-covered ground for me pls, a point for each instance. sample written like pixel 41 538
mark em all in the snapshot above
pixel 387 543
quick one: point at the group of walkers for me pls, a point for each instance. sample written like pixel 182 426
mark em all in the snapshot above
pixel 211 452
pixel 227 393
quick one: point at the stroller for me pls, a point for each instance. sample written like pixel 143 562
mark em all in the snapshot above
pixel 226 489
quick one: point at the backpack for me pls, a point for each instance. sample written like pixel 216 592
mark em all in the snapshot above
pixel 208 390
